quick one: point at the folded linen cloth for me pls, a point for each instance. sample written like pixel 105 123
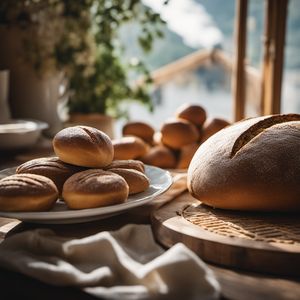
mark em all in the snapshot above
pixel 122 264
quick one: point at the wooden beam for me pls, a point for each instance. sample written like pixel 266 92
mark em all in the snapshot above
pixel 220 57
pixel 238 83
pixel 186 63
pixel 273 55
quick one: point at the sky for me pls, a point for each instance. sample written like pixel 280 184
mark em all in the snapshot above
pixel 189 20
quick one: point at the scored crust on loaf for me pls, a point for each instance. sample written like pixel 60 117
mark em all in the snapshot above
pixel 20 183
pixel 94 188
pixel 27 192
pixel 258 128
pixel 263 176
pixel 136 180
pixel 92 136
pixel 127 164
pixel 41 166
pixel 51 167
pixel 83 146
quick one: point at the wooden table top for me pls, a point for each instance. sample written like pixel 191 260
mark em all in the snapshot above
pixel 235 284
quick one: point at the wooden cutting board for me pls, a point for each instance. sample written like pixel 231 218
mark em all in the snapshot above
pixel 260 242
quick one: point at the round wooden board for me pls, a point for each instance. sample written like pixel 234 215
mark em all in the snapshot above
pixel 267 243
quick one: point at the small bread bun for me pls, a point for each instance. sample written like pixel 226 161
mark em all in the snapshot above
pixel 137 181
pixel 212 126
pixel 186 154
pixel 27 192
pixel 94 188
pixel 160 156
pixel 51 167
pixel 139 129
pixel 129 147
pixel 193 113
pixel 178 132
pixel 83 146
pixel 127 164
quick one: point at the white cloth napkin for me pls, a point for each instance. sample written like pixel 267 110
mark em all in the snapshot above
pixel 122 264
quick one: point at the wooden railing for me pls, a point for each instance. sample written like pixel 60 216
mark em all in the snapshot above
pixel 254 92
pixel 216 56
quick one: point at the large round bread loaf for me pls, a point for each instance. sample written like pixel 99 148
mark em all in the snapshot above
pixel 251 165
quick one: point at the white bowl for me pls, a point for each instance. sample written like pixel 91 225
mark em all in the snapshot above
pixel 19 134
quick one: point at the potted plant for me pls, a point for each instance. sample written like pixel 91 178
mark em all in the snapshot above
pixel 48 41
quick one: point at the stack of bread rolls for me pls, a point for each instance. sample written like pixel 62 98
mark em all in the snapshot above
pixel 83 174
pixel 173 146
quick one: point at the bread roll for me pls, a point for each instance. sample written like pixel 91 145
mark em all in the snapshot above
pixel 83 146
pixel 193 113
pixel 251 165
pixel 139 129
pixel 51 167
pixel 160 156
pixel 27 192
pixel 94 188
pixel 127 164
pixel 186 154
pixel 211 126
pixel 176 133
pixel 137 181
pixel 129 147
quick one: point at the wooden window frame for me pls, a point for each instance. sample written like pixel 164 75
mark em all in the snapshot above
pixel 273 57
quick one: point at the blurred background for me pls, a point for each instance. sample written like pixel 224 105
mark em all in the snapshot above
pixel 195 25
pixel 134 60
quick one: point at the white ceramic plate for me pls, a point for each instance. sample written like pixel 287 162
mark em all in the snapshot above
pixel 160 181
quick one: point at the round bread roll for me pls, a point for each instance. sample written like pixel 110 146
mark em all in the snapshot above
pixel 129 147
pixel 137 181
pixel 160 156
pixel 94 188
pixel 27 192
pixel 211 126
pixel 176 133
pixel 127 164
pixel 186 154
pixel 51 167
pixel 83 146
pixel 193 113
pixel 251 165
pixel 139 129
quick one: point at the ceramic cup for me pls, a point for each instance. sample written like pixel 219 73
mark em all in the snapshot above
pixel 4 107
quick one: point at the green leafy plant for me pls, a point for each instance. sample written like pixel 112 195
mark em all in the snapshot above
pixel 80 38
